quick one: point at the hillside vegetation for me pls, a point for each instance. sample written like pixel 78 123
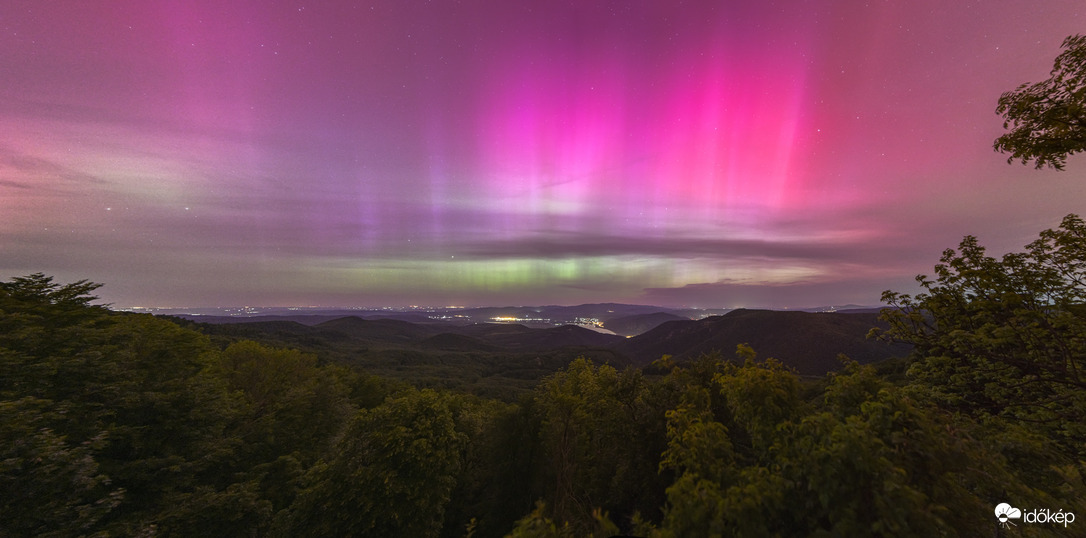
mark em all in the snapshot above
pixel 129 425
pixel 505 361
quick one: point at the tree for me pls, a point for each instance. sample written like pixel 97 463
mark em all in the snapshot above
pixel 392 474
pixel 297 406
pixel 865 458
pixel 1004 337
pixel 700 452
pixel 538 525
pixel 761 395
pixel 48 486
pixel 1047 119
pixel 602 440
pixel 113 422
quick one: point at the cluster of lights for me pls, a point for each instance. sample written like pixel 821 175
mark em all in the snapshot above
pixel 513 319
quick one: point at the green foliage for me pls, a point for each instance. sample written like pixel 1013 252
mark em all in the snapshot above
pixel 127 424
pixel 1047 119
pixel 1005 337
pixel 603 436
pixel 48 487
pixel 1001 343
pixel 121 403
pixel 293 409
pixel 39 292
pixel 868 460
pixel 292 401
pixel 538 525
pixel 697 443
pixel 392 473
pixel 850 388
pixel 498 463
pixel 422 362
pixel 760 395
pixel 700 453
pixel 119 424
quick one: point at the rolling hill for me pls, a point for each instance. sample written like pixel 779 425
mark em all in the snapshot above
pixel 808 342
pixel 498 357
pixel 640 323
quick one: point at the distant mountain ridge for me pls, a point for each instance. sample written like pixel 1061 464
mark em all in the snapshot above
pixel 640 323
pixel 596 314
pixel 807 341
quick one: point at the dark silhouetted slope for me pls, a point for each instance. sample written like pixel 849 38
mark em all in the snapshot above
pixel 520 338
pixel 808 342
pixel 640 323
pixel 378 330
pixel 456 342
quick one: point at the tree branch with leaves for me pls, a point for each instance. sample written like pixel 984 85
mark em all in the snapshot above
pixel 1047 119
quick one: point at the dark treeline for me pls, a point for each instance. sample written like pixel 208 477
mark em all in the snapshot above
pixel 121 424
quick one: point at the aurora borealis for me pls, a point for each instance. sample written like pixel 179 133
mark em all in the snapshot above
pixel 707 154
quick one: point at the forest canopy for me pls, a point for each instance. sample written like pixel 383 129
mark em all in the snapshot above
pixel 127 424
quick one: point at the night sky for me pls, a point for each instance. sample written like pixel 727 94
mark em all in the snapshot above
pixel 706 154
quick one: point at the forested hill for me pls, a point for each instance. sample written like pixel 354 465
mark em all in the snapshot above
pixel 130 425
pixel 495 360
pixel 482 356
pixel 808 342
